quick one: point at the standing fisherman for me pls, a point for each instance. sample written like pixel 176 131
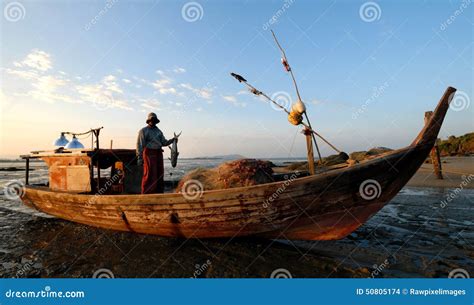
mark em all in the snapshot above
pixel 150 155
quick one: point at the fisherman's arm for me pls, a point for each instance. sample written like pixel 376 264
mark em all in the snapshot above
pixel 140 145
pixel 165 142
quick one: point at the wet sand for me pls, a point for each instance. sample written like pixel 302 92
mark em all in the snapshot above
pixel 415 235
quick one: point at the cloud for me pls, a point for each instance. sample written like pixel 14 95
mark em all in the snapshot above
pixel 55 87
pixel 233 100
pixel 39 81
pixel 164 86
pixel 204 92
pixel 179 70
pixel 230 98
pixel 105 94
pixel 25 74
pixel 150 104
pixel 45 88
pixel 37 59
pixel 110 84
pixel 48 89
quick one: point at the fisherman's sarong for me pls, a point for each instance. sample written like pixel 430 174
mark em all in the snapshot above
pixel 153 171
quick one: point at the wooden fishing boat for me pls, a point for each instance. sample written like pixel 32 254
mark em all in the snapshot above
pixel 324 206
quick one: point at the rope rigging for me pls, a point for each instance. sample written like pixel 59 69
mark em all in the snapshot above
pixel 257 92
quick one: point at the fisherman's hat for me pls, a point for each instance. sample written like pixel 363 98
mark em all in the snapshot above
pixel 152 116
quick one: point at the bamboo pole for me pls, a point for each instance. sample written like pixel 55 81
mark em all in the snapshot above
pixel 434 154
pixel 258 93
pixel 290 70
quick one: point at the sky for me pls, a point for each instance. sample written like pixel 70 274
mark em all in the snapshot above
pixel 367 72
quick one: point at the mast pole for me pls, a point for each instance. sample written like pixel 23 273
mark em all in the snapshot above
pixel 288 68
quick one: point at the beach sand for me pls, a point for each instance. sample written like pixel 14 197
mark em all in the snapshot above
pixel 455 171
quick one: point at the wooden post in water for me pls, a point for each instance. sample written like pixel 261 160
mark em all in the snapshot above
pixel 434 154
pixel 309 145
pixel 27 171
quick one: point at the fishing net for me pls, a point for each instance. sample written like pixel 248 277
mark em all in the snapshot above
pixel 244 172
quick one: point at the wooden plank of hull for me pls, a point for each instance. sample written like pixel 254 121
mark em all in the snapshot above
pixel 319 207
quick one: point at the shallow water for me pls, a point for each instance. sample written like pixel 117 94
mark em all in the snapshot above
pixel 413 236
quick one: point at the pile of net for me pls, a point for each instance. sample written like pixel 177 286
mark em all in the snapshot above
pixel 243 172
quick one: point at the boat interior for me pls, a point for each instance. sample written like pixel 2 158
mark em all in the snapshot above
pixel 114 171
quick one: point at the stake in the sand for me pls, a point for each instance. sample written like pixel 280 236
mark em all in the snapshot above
pixel 434 154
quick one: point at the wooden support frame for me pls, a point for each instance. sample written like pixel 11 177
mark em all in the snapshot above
pixel 309 146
